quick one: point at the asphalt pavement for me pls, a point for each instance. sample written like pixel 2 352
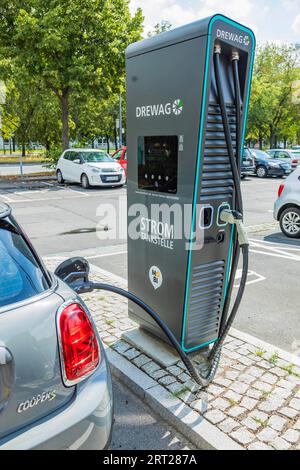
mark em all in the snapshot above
pixel 137 428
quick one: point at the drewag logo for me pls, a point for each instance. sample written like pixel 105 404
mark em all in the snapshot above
pixel 233 37
pixel 154 110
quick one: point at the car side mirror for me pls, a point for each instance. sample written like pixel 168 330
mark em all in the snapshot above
pixel 75 272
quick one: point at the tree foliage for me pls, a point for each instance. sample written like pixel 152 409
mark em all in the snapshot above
pixel 274 114
pixel 75 47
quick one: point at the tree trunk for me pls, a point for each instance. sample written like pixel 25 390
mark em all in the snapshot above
pixel 14 144
pixel 260 141
pixel 23 149
pixel 107 143
pixel 272 136
pixel 115 134
pixel 64 102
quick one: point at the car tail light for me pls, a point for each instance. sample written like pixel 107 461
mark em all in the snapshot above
pixel 295 162
pixel 78 342
pixel 280 190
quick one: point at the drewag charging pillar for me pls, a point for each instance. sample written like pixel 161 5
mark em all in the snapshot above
pixel 178 161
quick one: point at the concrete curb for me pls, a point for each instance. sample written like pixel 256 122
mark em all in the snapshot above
pixel 195 428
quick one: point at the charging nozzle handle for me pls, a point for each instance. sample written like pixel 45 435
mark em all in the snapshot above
pixel 235 218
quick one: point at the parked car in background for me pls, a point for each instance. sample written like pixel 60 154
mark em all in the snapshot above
pixel 265 165
pixel 287 206
pixel 90 168
pixel 289 155
pixel 248 164
pixel 55 383
pixel 121 157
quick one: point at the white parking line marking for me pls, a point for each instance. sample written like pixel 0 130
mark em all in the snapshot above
pixel 294 258
pixel 6 198
pixel 274 250
pixel 251 274
pixel 48 198
pixel 107 254
pixel 275 244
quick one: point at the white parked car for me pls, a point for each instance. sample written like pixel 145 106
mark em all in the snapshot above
pixel 287 206
pixel 90 168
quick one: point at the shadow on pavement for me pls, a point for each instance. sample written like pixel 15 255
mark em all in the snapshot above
pixel 280 238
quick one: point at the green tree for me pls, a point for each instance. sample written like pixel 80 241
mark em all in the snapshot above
pixel 31 113
pixel 74 46
pixel 273 114
pixel 161 27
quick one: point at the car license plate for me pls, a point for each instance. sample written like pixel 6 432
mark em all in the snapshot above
pixel 112 178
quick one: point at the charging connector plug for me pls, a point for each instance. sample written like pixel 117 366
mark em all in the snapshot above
pixel 235 218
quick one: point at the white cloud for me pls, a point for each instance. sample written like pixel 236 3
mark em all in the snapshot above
pixel 296 25
pixel 291 5
pixel 179 13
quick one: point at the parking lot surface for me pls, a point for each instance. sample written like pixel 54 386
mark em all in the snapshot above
pixel 64 220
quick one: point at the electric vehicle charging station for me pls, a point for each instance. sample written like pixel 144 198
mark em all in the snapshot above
pixel 187 101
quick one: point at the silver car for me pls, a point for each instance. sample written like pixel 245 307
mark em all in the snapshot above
pixel 55 383
pixel 291 156
pixel 287 206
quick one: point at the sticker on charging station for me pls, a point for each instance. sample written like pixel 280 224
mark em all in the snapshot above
pixel 155 277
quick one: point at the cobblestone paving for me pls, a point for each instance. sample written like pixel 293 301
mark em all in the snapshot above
pixel 254 399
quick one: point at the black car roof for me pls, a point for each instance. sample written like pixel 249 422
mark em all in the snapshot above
pixel 5 210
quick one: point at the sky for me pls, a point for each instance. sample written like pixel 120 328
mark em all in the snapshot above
pixel 271 20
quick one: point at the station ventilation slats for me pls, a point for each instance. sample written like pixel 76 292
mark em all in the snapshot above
pixel 205 301
pixel 217 180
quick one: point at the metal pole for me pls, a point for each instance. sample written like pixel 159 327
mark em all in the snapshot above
pixel 120 120
pixel 21 165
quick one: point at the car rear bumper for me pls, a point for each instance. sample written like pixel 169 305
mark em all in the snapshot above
pixel 277 207
pixel 85 423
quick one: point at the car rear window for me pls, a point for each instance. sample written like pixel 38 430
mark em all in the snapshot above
pixel 21 276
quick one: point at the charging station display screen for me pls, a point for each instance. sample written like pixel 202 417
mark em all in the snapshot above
pixel 158 163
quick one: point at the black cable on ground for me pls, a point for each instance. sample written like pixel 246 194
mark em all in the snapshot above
pixel 173 340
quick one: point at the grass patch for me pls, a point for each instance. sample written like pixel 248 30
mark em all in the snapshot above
pixel 181 392
pixel 273 359
pixel 232 402
pixel 31 159
pixel 289 369
pixel 260 422
pixel 109 322
pixel 260 353
pixel 265 394
pixel 41 174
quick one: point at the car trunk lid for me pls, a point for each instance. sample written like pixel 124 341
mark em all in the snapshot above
pixel 30 375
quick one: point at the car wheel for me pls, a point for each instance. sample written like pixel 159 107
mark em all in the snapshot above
pixel 261 172
pixel 85 181
pixel 290 222
pixel 59 177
